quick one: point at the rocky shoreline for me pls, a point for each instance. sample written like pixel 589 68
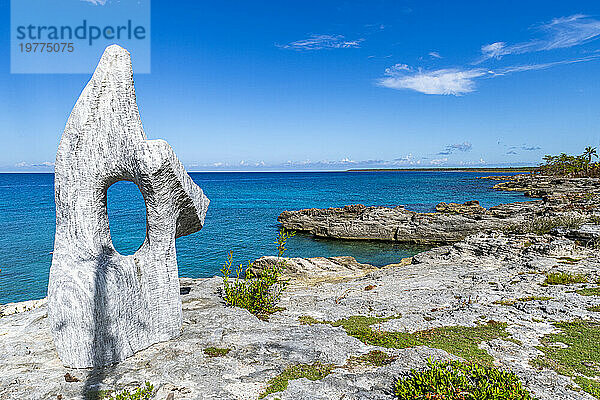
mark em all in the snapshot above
pixel 496 290
pixel 451 222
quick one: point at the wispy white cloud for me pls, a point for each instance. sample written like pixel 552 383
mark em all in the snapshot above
pixel 435 54
pixel 439 161
pixel 535 67
pixel 456 81
pixel 452 148
pixel 44 164
pixel 559 33
pixel 96 2
pixel 512 150
pixel 322 42
pixel 442 81
pixel 375 27
pixel 406 161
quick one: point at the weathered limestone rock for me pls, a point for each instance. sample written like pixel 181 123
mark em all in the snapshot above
pixel 103 306
pixel 316 269
pixel 394 224
pixel 469 207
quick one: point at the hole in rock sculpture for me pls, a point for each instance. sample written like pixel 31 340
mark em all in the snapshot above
pixel 104 306
pixel 126 217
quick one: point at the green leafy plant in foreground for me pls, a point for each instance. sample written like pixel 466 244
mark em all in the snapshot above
pixel 455 380
pixel 260 292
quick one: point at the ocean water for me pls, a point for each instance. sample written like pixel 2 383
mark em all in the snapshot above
pixel 242 217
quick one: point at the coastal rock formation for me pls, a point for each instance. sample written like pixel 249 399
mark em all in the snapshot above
pixel 485 277
pixel 103 306
pixel 396 224
pixel 452 222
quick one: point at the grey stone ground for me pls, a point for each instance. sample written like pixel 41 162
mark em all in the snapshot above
pixel 451 285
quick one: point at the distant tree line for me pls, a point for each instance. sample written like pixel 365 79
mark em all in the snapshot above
pixel 567 165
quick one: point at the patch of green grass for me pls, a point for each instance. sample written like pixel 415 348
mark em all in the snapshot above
pixel 568 260
pixel 216 351
pixel 580 358
pixel 594 291
pixel 139 393
pixel 461 341
pixel 594 308
pixel 510 302
pixel 313 372
pixel 455 380
pixel 564 278
pixel 377 358
pixel 589 385
pixel 308 320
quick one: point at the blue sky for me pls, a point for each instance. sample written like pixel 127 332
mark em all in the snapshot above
pixel 324 85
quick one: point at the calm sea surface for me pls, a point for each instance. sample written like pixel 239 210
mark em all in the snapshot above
pixel 242 217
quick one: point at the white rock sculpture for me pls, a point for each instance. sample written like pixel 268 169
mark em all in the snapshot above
pixel 104 306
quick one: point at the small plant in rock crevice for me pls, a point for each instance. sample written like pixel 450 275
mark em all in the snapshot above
pixel 139 393
pixel 564 278
pixel 260 292
pixel 512 302
pixel 216 351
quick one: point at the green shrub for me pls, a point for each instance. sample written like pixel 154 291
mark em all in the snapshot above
pixel 257 293
pixel 455 380
pixel 564 278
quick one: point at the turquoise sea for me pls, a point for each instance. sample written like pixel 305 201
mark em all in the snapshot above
pixel 242 217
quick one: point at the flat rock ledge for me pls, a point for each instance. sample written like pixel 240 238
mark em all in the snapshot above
pixel 447 286
pixel 577 197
